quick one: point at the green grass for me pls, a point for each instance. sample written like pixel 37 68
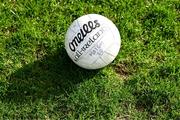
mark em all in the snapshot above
pixel 39 81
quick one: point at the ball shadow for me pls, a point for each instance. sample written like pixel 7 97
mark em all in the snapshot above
pixel 46 78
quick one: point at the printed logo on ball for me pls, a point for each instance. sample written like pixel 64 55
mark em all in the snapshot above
pixel 84 31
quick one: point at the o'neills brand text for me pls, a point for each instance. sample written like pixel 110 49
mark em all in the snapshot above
pixel 91 40
pixel 86 28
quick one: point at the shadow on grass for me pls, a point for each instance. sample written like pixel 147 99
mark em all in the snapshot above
pixel 47 78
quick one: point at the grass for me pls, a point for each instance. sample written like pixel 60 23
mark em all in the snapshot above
pixel 39 81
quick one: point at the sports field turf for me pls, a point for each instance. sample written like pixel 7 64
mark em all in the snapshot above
pixel 39 81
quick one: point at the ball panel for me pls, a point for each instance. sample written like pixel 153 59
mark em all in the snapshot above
pixel 107 58
pixel 113 49
pixel 99 63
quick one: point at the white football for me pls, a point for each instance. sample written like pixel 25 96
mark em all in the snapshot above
pixel 92 41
